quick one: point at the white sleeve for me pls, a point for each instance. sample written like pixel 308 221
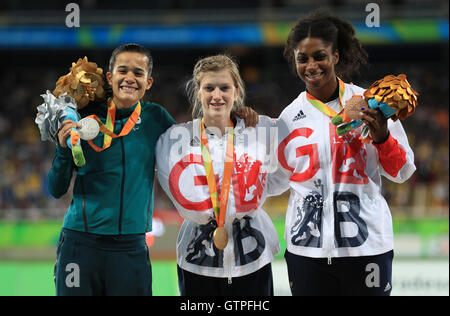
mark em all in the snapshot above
pixel 175 171
pixel 277 177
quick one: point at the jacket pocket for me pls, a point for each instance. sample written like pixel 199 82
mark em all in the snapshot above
pixel 59 245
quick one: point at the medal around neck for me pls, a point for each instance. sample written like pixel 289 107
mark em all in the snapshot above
pixel 89 128
pixel 220 235
pixel 220 238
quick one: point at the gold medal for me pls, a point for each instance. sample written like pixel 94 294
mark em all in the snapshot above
pixel 220 237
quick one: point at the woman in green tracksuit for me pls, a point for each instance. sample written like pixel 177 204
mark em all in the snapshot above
pixel 102 249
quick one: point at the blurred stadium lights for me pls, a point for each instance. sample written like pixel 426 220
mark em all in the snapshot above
pixel 169 23
pixel 264 34
pixel 31 24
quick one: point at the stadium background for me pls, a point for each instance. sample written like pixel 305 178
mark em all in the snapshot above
pixel 36 47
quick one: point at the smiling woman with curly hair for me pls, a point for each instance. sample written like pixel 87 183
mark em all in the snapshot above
pixel 337 221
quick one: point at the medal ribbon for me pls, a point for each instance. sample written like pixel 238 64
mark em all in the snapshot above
pixel 219 211
pixel 108 128
pixel 322 107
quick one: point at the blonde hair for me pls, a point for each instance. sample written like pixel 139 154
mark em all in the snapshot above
pixel 213 64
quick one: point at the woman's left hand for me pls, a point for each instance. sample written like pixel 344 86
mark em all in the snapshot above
pixel 377 123
pixel 249 115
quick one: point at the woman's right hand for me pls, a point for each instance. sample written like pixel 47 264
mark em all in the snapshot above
pixel 64 131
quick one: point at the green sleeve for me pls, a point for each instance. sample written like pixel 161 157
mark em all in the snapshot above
pixel 60 172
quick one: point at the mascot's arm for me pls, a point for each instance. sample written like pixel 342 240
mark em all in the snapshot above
pixel 73 141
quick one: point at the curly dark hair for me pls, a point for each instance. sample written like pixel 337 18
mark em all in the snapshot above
pixel 341 34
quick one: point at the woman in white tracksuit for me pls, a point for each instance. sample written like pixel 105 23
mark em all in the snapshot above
pixel 225 250
pixel 338 229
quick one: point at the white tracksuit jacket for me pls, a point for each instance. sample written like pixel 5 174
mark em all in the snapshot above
pixel 252 238
pixel 335 207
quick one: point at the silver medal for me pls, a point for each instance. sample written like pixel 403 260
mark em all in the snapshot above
pixel 89 128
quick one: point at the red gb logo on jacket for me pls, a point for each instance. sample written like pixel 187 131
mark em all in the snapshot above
pixel 248 183
pixel 349 158
pixel 307 150
pixel 174 183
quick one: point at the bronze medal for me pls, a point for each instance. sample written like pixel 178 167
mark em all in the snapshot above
pixel 220 237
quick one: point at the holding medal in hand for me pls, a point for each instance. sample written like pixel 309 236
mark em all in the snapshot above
pixel 57 117
pixel 393 96
pixel 218 183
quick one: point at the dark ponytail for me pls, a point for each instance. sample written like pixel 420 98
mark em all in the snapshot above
pixel 333 30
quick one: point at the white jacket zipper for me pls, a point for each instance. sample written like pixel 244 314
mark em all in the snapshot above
pixel 329 192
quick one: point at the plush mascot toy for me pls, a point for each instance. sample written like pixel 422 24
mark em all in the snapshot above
pixel 73 91
pixel 393 95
